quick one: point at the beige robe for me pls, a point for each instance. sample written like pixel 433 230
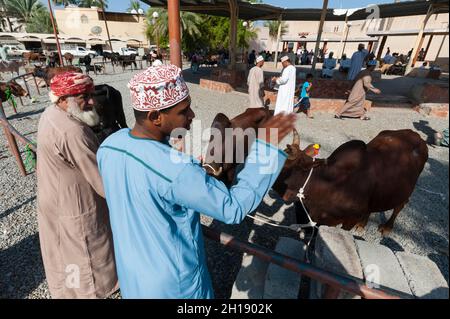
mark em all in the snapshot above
pixel 354 106
pixel 74 230
pixel 255 83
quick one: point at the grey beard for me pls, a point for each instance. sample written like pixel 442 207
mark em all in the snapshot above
pixel 90 118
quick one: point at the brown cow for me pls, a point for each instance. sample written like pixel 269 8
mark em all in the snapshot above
pixel 31 56
pixel 16 90
pixel 12 66
pixel 356 180
pixel 68 57
pixel 48 73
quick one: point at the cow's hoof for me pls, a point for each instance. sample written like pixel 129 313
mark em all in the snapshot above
pixel 359 229
pixel 384 230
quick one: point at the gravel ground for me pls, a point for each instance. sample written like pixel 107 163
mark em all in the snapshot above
pixel 421 228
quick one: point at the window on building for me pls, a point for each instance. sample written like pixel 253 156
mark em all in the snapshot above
pixel 84 19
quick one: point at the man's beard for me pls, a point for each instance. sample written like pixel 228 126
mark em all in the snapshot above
pixel 90 118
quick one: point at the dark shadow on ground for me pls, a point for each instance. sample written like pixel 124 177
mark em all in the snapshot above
pixel 21 269
pixel 13 209
pixel 25 114
pixel 424 127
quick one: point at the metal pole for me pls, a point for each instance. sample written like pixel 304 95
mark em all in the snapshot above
pixel 55 33
pixel 107 31
pixel 353 285
pixel 419 40
pixel 344 34
pixel 11 141
pixel 280 22
pixel 319 33
pixel 173 10
pixel 233 32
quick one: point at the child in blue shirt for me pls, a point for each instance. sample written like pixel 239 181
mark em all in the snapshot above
pixel 304 105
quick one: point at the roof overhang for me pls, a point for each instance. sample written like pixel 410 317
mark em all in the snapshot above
pixel 407 32
pixel 249 11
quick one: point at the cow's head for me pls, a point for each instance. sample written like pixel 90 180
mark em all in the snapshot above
pixel 296 169
pixel 218 161
pixel 17 89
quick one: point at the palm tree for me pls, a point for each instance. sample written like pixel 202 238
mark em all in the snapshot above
pixel 65 3
pixel 22 9
pixel 93 3
pixel 160 27
pixel 4 15
pixel 134 5
pixel 40 22
pixel 273 28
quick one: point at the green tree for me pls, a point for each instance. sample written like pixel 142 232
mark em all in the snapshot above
pixel 92 3
pixel 40 22
pixel 159 28
pixel 273 28
pixel 134 5
pixel 22 9
pixel 65 3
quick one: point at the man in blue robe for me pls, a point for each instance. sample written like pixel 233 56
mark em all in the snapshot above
pixel 155 194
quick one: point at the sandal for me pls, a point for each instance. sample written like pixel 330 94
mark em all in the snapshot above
pixel 365 118
pixel 337 117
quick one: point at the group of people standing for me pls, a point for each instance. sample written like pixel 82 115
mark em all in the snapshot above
pixel 286 86
pixel 119 214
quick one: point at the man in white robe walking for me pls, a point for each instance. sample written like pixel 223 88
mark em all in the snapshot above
pixel 286 90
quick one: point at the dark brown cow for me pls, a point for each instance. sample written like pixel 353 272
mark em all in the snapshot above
pixel 357 179
pixel 251 118
pixel 48 73
pixel 68 57
pixel 31 56
pixel 16 90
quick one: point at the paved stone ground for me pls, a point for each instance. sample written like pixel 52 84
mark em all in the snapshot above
pixel 421 228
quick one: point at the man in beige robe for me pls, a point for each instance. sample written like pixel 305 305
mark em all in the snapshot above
pixel 354 106
pixel 74 229
pixel 255 83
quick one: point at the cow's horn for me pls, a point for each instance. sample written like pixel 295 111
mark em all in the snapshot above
pixel 296 139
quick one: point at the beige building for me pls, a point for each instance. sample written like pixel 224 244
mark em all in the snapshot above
pixel 86 27
pixel 304 34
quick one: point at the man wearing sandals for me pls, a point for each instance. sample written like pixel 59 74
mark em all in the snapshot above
pixel 354 107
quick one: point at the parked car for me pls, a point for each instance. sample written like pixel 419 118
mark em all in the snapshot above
pixel 128 51
pixel 14 50
pixel 79 52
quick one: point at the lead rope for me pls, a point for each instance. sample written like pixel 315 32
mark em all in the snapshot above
pixel 301 196
pixel 295 227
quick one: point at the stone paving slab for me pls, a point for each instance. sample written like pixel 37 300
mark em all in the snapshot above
pixel 425 279
pixel 282 283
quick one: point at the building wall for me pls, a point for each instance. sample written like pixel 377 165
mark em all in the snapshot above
pixel 88 22
pixel 358 29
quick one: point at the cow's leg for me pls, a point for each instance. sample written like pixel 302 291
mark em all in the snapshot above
pixel 386 228
pixel 362 224
pixel 348 225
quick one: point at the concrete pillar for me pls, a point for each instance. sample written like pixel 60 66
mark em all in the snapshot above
pixel 280 21
pixel 381 48
pixel 173 10
pixel 419 41
pixel 428 46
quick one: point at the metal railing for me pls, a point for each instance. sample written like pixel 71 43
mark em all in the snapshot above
pixel 334 282
pixel 11 135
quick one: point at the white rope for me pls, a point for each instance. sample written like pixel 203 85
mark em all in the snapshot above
pixel 295 227
pixel 301 196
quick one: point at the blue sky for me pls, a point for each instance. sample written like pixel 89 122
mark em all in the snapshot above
pixel 122 5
